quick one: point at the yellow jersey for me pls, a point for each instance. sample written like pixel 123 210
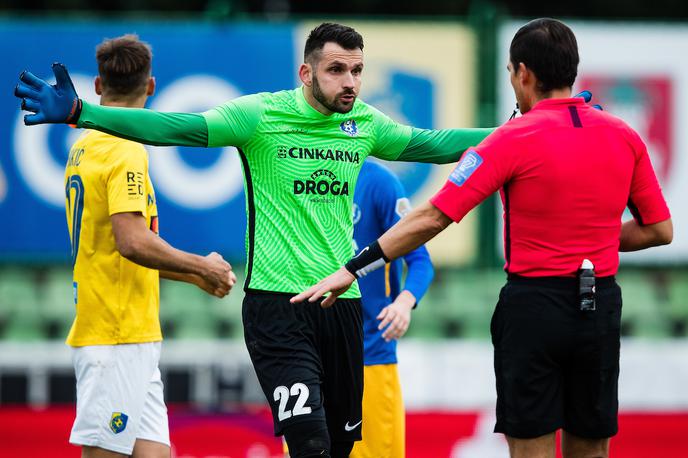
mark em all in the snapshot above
pixel 117 301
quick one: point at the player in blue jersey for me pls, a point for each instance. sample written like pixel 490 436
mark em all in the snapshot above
pixel 379 202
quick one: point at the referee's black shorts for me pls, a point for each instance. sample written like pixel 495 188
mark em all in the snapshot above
pixel 309 361
pixel 556 366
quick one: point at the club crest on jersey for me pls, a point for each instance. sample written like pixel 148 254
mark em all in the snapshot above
pixel 349 127
pixel 118 422
pixel 468 164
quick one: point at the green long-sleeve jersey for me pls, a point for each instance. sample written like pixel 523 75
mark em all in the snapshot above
pixel 300 169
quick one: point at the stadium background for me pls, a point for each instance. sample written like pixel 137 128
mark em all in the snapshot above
pixel 440 64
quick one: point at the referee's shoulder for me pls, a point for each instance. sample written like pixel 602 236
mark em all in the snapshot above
pixel 512 130
pixel 609 120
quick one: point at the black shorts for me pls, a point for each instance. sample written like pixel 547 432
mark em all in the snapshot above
pixel 309 360
pixel 556 366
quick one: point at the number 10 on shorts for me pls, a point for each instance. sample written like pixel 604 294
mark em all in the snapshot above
pixel 282 394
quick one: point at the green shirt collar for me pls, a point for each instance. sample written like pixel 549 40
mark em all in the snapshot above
pixel 306 108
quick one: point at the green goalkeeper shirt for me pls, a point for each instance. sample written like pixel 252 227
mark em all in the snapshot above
pixel 300 171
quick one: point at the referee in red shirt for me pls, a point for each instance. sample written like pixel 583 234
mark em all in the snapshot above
pixel 565 172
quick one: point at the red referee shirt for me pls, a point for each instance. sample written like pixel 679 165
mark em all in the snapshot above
pixel 565 172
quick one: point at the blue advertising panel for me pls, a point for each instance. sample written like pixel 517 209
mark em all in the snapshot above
pixel 196 66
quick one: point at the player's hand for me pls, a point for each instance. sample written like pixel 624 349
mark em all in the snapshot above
pixel 336 284
pixel 587 96
pixel 396 317
pixel 210 289
pixel 202 283
pixel 57 103
pixel 218 275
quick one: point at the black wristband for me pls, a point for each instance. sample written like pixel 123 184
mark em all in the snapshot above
pixel 370 258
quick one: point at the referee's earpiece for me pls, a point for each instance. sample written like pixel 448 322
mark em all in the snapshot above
pixel 513 115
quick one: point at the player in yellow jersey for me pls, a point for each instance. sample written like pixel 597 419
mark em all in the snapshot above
pixel 117 258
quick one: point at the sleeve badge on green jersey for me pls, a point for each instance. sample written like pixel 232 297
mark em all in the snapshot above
pixel 349 127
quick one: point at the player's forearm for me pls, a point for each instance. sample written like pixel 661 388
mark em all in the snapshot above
pixel 146 126
pixel 635 237
pixel 182 277
pixel 414 230
pixel 441 146
pixel 149 250
pixel 420 272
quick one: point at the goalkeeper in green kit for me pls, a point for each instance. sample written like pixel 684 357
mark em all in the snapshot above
pixel 301 152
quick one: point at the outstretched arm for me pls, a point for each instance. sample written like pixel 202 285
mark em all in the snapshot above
pixel 146 126
pixel 441 146
pixel 230 124
pixel 412 231
pixel 397 142
pixel 402 143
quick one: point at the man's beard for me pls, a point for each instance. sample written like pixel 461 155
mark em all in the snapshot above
pixel 333 105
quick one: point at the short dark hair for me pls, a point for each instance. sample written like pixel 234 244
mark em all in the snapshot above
pixel 547 47
pixel 124 65
pixel 344 36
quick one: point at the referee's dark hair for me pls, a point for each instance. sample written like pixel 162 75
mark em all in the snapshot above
pixel 547 47
pixel 344 36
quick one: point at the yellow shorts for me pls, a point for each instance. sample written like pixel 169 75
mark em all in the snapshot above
pixel 384 425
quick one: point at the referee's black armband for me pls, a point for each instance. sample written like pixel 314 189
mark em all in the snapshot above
pixel 369 259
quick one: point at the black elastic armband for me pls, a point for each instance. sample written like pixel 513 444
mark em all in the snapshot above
pixel 369 259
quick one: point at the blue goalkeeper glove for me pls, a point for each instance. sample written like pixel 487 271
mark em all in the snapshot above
pixel 56 103
pixel 587 96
